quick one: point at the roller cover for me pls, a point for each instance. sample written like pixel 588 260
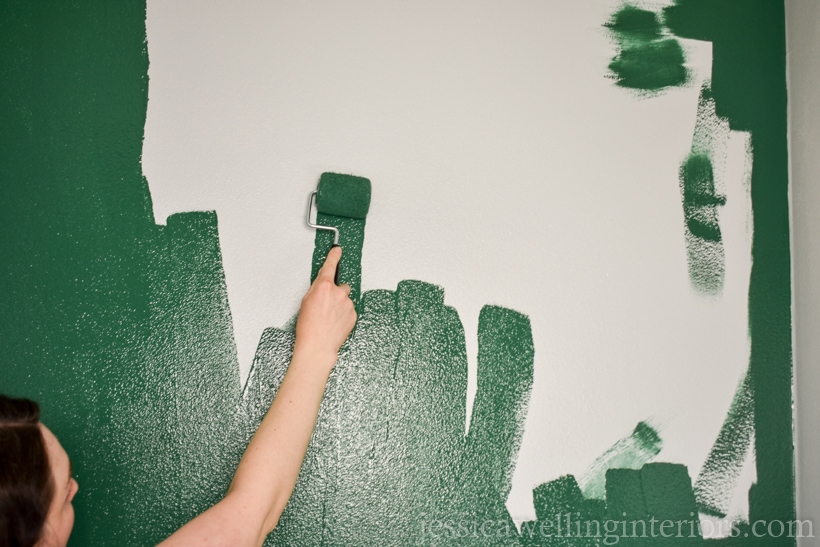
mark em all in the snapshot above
pixel 343 195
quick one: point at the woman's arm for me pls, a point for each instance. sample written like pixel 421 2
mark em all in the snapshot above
pixel 268 470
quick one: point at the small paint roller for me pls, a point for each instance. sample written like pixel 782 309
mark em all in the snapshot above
pixel 341 196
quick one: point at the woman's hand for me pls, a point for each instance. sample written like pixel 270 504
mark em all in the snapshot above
pixel 326 317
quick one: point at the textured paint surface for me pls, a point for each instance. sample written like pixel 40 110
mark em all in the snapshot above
pixel 634 499
pixel 717 480
pixel 699 184
pixel 749 86
pixel 648 59
pixel 631 452
pixel 122 329
pixel 389 451
pixel 748 93
pixel 343 195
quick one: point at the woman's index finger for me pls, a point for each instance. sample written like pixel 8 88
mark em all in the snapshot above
pixel 328 269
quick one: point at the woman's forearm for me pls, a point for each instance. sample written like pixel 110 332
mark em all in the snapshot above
pixel 272 461
pixel 267 473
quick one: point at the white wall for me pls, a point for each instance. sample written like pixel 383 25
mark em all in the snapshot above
pixel 506 167
pixel 803 31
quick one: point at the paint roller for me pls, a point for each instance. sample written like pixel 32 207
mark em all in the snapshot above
pixel 337 195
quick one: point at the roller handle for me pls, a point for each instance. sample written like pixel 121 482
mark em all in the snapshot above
pixel 336 277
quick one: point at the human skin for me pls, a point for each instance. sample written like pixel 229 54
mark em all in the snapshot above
pixel 60 517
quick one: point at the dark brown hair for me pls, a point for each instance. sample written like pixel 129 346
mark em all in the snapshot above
pixel 26 486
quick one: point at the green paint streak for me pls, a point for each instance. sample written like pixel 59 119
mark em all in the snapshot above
pixel 631 452
pixel 389 451
pixel 699 198
pixel 647 60
pixel 704 243
pixel 716 483
pixel 749 86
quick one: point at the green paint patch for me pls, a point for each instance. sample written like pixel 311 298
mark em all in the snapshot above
pixel 121 328
pixel 701 199
pixel 631 452
pixel 704 244
pixel 637 503
pixel 389 452
pixel 648 59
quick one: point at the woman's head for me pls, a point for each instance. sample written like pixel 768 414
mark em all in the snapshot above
pixel 36 487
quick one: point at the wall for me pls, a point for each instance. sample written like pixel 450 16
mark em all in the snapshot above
pixel 804 119
pixel 608 213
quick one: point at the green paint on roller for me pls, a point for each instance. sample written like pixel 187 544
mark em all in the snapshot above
pixel 343 195
pixel 342 202
pixel 647 60
pixel 631 452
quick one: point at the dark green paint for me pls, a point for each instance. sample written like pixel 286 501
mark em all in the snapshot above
pixel 343 195
pixel 647 59
pixel 122 329
pixel 119 327
pixel 699 199
pixel 634 499
pixel 749 87
pixel 638 24
pixel 704 242
pixel 351 238
pixel 718 477
pixel 631 452
pixel 389 451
